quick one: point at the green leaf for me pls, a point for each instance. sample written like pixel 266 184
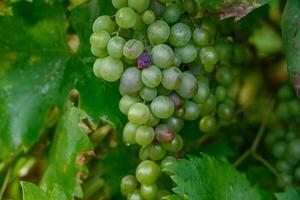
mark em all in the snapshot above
pixel 209 179
pixel 290 26
pixel 289 194
pixel 69 144
pixel 38 70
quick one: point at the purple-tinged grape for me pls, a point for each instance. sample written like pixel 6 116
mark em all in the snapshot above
pixel 163 133
pixel 144 61
pixel 178 102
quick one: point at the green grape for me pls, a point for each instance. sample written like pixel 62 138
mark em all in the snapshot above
pixel 127 60
pixel 180 34
pixel 139 35
pixel 128 184
pixel 119 3
pixel 175 145
pixel 129 132
pixel 208 124
pixel 239 54
pixel 139 25
pixel 153 121
pixel 282 110
pixel 148 17
pixel 167 161
pixel 104 23
pixel 139 5
pixel 144 135
pixel 108 68
pixel 202 92
pixel 157 7
pixel 171 13
pixel 283 166
pixel 294 149
pixel 187 53
pixel 190 7
pixel 188 86
pixel 224 76
pixel 175 123
pixel 279 149
pixel 162 194
pixel 158 32
pixel 208 106
pixel 127 101
pixel 157 152
pixel 226 111
pixel 162 107
pixel 135 195
pixel 148 94
pixel 192 111
pixel 201 37
pixel 147 172
pixel 115 47
pixel 210 27
pixel 209 57
pixel 126 17
pixel 221 93
pixel 294 107
pixel 161 90
pixel 163 56
pixel 100 39
pixel 224 50
pixel 171 78
pixel 131 81
pixel 138 114
pixel 101 53
pixel 144 152
pixel 149 192
pixel 151 76
pixel 133 48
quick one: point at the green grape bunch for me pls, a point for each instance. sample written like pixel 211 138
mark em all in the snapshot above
pixel 171 68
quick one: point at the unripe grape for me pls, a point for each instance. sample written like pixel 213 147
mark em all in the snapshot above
pixel 147 172
pixel 157 7
pixel 153 121
pixel 175 145
pixel 171 78
pixel 239 53
pixel 162 107
pixel 180 34
pixel 187 53
pixel 167 161
pixel 294 148
pixel 207 124
pixel 171 13
pixel 208 106
pixel 131 81
pixel 225 111
pixel 139 5
pixel 151 76
pixel 174 123
pixel 163 133
pixel 202 92
pixel 148 17
pixel 224 76
pixel 192 111
pixel 163 56
pixel 156 152
pixel 190 7
pixel 138 114
pixel 139 27
pixel 133 48
pixel 148 94
pixel 104 23
pixel 279 149
pixel 188 85
pixel 129 132
pixel 178 102
pixel 209 57
pixel 144 135
pixel 115 47
pixel 149 192
pixel 201 37
pixel 221 93
pixel 119 3
pixel 224 50
pixel 127 101
pixel 101 53
pixel 108 68
pixel 158 32
pixel 126 17
pixel 135 195
pixel 128 184
pixel 100 39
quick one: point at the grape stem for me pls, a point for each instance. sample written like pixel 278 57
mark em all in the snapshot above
pixel 253 148
pixel 5 183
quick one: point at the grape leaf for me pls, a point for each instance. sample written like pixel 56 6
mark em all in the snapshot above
pixel 206 178
pixel 289 194
pixel 38 70
pixel 290 27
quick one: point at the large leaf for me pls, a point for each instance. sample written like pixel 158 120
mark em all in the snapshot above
pixel 209 179
pixel 38 70
pixel 289 194
pixel 34 192
pixel 290 26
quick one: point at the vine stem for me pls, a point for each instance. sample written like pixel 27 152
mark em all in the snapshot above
pixel 5 183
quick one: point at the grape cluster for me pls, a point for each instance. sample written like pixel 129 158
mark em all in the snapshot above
pixel 283 139
pixel 171 68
